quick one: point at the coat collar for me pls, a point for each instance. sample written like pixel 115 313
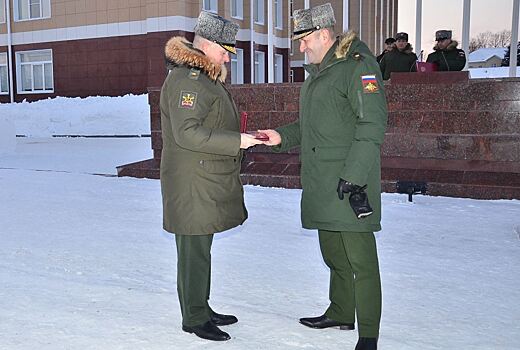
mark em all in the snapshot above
pixel 407 49
pixel 452 46
pixel 180 52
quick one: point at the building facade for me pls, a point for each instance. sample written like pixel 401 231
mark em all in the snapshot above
pixel 486 57
pixel 113 47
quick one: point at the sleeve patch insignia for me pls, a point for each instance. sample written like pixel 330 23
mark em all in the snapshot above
pixel 370 85
pixel 188 99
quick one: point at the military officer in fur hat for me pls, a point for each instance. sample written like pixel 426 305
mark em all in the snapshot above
pixel 446 55
pixel 400 59
pixel 341 126
pixel 200 164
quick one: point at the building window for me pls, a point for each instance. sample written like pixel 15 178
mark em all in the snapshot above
pixel 210 5
pixel 31 9
pixel 34 72
pixel 2 11
pixel 237 9
pixel 278 14
pixel 258 10
pixel 237 67
pixel 278 68
pixel 291 76
pixel 259 67
pixel 4 83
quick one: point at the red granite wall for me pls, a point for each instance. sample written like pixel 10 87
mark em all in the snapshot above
pixel 460 136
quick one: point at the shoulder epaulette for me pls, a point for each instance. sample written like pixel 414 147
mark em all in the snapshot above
pixel 357 56
pixel 194 73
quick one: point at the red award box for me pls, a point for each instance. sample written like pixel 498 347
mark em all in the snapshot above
pixel 243 128
pixel 425 67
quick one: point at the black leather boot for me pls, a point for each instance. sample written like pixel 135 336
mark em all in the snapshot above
pixel 366 344
pixel 222 320
pixel 323 321
pixel 207 331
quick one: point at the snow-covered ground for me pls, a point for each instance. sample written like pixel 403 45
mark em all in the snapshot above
pixel 491 72
pixel 84 263
pixel 100 115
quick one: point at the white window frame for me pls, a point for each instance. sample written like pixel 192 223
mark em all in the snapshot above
pixel 45 10
pixel 278 14
pixel 291 75
pixel 278 68
pixel 259 67
pixel 2 11
pixel 210 5
pixel 258 11
pixel 4 84
pixel 237 67
pixel 19 65
pixel 237 9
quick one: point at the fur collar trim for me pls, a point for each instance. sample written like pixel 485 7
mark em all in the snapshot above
pixel 452 46
pixel 179 51
pixel 407 49
pixel 345 42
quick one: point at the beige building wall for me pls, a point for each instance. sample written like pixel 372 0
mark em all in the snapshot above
pixel 76 13
pixel 491 62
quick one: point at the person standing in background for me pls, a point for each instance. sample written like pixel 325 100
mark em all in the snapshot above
pixel 400 59
pixel 446 55
pixel 388 47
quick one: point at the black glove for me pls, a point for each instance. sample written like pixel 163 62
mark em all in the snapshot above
pixel 358 198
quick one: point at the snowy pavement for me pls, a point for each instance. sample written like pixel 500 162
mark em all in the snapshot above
pixel 84 263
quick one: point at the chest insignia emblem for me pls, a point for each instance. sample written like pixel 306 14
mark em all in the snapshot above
pixel 188 99
pixel 370 85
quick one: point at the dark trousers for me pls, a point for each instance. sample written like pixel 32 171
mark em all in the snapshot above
pixel 355 285
pixel 194 277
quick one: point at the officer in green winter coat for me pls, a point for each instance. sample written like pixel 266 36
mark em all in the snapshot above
pixel 200 163
pixel 341 126
pixel 446 55
pixel 400 59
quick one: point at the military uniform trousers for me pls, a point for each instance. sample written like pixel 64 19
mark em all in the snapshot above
pixel 355 285
pixel 194 277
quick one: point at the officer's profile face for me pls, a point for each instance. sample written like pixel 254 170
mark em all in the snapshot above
pixel 313 46
pixel 216 53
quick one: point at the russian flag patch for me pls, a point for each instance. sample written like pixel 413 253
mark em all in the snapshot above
pixel 370 84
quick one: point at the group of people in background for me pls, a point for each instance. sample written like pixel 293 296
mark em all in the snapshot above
pixel 398 55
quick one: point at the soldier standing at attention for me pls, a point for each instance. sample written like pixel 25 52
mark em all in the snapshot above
pixel 400 59
pixel 200 180
pixel 341 126
pixel 389 46
pixel 446 55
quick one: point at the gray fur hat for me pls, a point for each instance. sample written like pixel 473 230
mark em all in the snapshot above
pixel 442 34
pixel 217 29
pixel 307 21
pixel 401 36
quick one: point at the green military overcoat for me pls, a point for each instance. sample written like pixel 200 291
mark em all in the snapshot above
pixel 341 126
pixel 200 162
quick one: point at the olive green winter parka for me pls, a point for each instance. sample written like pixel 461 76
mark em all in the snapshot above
pixel 200 162
pixel 341 127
